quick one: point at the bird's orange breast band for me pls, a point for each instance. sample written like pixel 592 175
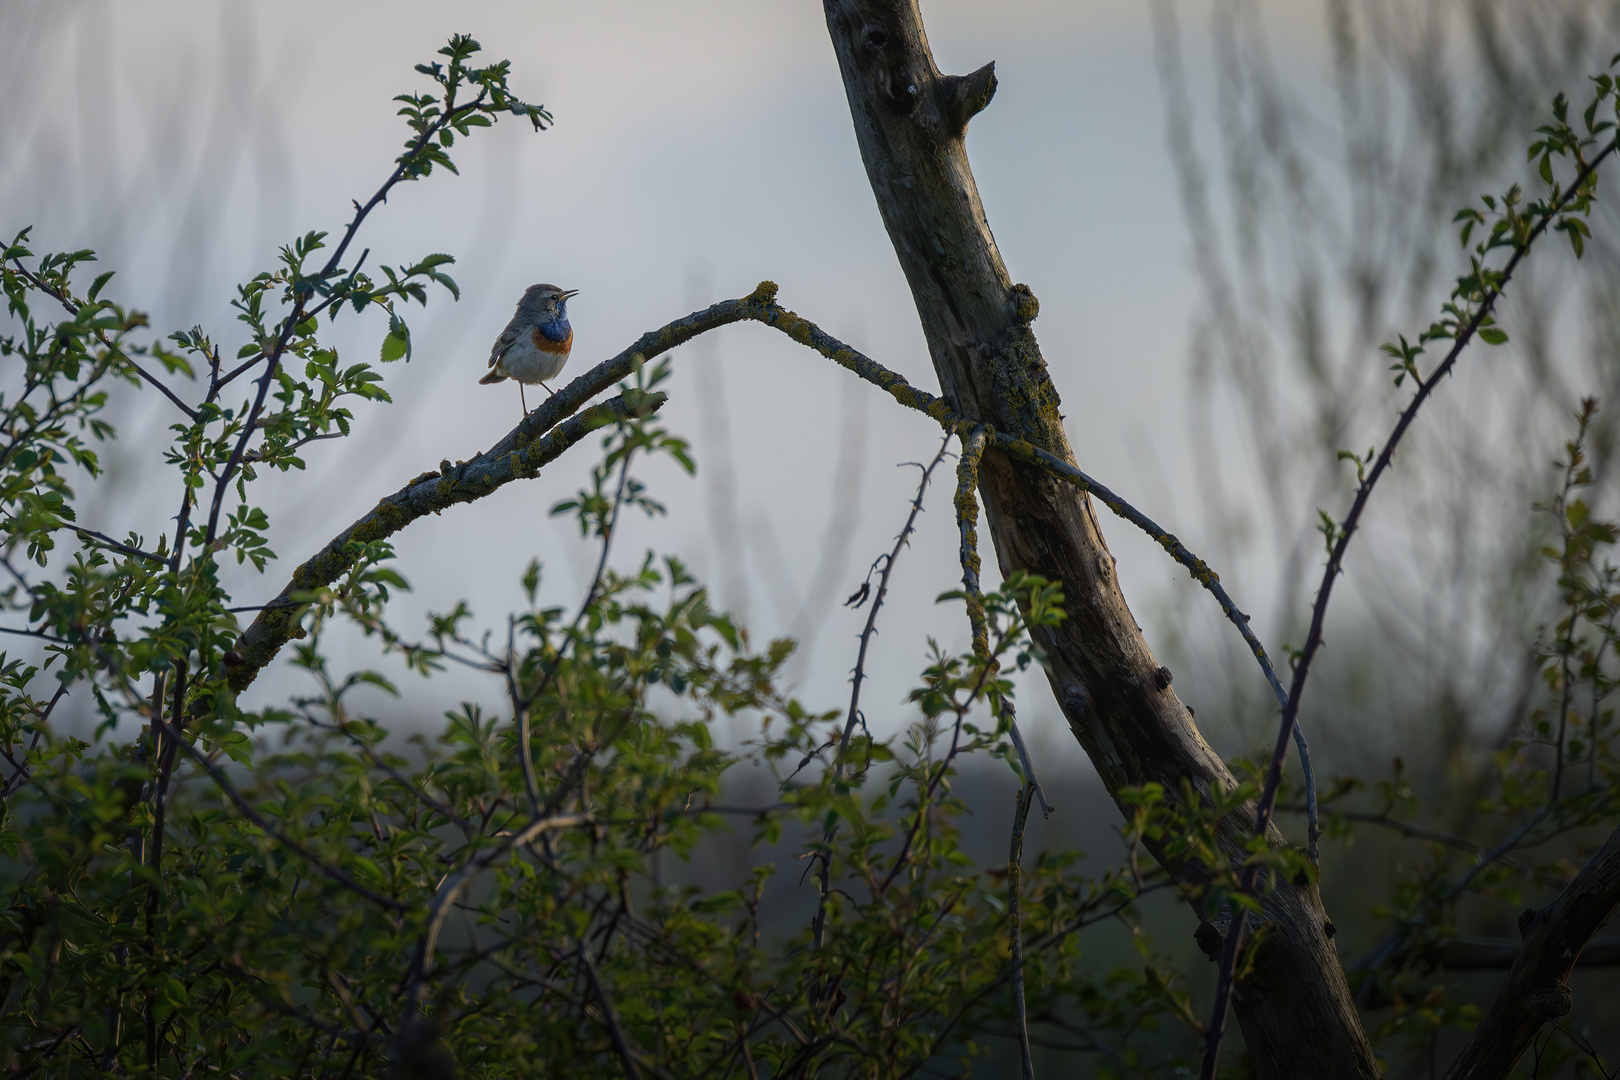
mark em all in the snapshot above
pixel 546 345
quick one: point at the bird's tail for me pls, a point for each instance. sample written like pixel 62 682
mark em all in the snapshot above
pixel 494 376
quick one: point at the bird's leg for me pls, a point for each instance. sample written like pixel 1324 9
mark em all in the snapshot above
pixel 549 391
pixel 524 400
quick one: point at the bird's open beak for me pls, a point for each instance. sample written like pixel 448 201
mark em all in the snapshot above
pixel 569 293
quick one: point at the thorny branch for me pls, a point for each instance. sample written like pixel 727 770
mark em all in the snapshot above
pixel 859 675
pixel 761 306
pixel 887 562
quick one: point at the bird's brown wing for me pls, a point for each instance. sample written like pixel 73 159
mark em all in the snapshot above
pixel 502 346
pixel 508 338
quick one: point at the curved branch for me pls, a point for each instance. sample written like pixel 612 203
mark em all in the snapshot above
pixel 428 493
pixel 761 306
pixel 125 549
pixel 1466 953
pixel 453 886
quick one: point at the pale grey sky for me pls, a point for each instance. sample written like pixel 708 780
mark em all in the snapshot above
pixel 698 148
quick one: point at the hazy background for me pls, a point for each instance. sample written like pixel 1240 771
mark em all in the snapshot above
pixel 699 148
pixel 1223 206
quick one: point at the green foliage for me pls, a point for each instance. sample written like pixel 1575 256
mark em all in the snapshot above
pixel 1557 780
pixel 1506 224
pixel 291 892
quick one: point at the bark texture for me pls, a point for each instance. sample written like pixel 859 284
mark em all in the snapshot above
pixel 1537 989
pixel 1295 1010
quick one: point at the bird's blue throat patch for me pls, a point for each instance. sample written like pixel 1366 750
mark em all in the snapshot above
pixel 553 337
pixel 558 330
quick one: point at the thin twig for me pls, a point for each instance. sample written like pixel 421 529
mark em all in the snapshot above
pixel 596 585
pixel 258 455
pixel 926 797
pixel 1424 832
pixel 405 782
pixel 298 314
pixel 74 308
pixel 1015 874
pixel 888 561
pixel 523 704
pixel 427 493
pixel 36 634
pixel 133 552
pixel 229 789
pixel 870 628
pixel 21 772
pixel 1313 639
pixel 1384 949
pixel 520 712
pixel 609 1013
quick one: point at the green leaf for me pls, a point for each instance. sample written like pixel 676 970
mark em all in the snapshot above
pixel 395 345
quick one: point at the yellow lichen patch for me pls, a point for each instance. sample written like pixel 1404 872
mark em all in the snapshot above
pixel 791 324
pixel 1026 398
pixel 1025 307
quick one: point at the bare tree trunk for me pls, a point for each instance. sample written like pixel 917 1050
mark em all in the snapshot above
pixel 1295 1010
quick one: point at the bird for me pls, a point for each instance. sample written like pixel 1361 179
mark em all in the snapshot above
pixel 534 346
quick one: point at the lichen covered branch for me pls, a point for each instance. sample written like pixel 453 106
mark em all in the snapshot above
pixel 967 528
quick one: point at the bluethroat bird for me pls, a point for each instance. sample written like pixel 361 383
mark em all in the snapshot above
pixel 534 346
